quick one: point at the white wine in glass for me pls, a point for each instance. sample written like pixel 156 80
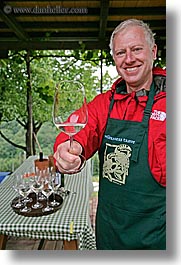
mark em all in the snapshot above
pixel 70 112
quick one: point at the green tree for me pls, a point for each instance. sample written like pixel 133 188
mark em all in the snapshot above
pixel 27 84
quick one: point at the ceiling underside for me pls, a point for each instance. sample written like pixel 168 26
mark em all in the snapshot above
pixel 49 25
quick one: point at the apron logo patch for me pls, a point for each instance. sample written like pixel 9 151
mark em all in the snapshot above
pixel 116 163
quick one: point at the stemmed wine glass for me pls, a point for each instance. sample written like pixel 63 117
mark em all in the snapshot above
pixel 55 184
pixel 16 187
pixel 24 190
pixel 37 185
pixel 47 191
pixel 70 112
pixel 41 173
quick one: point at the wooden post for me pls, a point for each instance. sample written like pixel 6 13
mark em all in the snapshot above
pixel 3 241
pixel 101 73
pixel 70 245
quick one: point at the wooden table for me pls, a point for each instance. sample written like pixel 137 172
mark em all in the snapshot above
pixel 71 223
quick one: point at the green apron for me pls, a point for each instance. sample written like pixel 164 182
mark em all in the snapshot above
pixel 131 211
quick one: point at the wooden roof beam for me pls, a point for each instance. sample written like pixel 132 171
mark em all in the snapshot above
pixel 13 25
pixel 60 45
pixel 103 18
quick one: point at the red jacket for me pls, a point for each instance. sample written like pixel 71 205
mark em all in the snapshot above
pixel 128 107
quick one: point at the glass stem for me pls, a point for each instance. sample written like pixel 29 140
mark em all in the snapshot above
pixel 71 143
pixel 25 207
pixel 36 197
pixel 48 202
pixel 54 196
pixel 62 180
pixel 19 199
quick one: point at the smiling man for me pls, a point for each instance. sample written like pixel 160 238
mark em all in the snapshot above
pixel 127 126
pixel 133 54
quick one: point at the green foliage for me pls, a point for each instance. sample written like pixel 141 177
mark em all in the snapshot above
pixel 160 63
pixel 45 72
pixel 11 157
pixel 46 69
pixel 46 137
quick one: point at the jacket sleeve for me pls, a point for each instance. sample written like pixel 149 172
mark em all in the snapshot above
pixel 157 145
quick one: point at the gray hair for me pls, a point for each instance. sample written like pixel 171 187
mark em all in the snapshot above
pixel 149 35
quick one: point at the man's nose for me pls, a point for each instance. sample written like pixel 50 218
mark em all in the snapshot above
pixel 129 57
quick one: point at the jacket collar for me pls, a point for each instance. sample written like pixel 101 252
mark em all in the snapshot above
pixel 159 76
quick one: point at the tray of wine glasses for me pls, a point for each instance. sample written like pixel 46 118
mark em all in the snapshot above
pixel 53 198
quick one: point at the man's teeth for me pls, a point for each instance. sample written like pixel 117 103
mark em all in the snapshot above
pixel 131 69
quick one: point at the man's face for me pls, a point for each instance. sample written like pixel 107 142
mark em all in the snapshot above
pixel 133 57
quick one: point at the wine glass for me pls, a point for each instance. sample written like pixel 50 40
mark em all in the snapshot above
pixel 47 191
pixel 70 112
pixel 16 187
pixel 41 173
pixel 37 185
pixel 55 184
pixel 24 190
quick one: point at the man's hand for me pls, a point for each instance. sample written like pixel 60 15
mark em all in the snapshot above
pixel 68 159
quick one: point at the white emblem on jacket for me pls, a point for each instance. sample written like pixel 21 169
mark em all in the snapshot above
pixel 158 115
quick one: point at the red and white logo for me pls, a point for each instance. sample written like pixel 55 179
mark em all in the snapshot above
pixel 158 115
